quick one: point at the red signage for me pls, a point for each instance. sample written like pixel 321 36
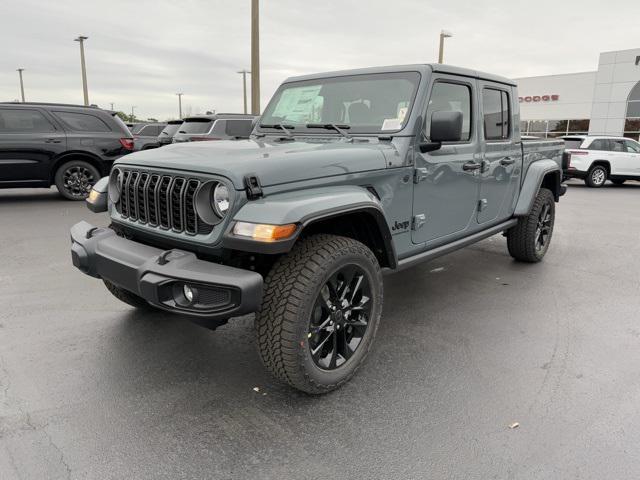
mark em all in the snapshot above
pixel 539 98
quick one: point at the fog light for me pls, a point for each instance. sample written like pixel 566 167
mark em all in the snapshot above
pixel 188 293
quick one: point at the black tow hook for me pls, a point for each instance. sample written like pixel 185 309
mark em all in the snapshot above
pixel 162 258
pixel 91 231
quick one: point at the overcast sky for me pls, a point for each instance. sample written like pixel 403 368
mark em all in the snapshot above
pixel 143 52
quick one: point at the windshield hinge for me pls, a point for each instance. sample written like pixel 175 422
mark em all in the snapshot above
pixel 419 175
pixel 252 186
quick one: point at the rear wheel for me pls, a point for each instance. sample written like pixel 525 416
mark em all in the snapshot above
pixel 596 177
pixel 320 312
pixel 529 240
pixel 75 179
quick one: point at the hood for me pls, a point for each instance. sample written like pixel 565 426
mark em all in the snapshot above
pixel 274 162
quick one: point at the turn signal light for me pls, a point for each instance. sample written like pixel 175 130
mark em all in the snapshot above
pixel 263 232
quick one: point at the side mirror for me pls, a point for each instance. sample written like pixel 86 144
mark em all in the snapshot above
pixel 446 126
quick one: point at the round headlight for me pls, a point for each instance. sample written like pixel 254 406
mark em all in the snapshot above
pixel 220 199
pixel 115 185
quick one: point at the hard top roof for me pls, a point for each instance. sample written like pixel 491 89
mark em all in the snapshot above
pixel 423 68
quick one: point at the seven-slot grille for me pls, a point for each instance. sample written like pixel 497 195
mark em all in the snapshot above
pixel 160 200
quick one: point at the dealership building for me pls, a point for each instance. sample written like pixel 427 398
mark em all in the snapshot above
pixel 604 102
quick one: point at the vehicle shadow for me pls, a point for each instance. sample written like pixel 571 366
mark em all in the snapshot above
pixel 629 185
pixel 30 195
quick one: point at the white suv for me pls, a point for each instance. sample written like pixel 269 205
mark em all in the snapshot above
pixel 596 159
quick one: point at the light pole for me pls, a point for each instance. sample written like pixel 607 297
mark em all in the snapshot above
pixel 132 116
pixel 111 106
pixel 179 105
pixel 255 57
pixel 443 34
pixel 20 70
pixel 81 39
pixel 244 88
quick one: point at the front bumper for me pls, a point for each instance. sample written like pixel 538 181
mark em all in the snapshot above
pixel 158 276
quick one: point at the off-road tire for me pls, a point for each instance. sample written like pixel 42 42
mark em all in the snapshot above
pixel 521 239
pixel 126 296
pixel 595 176
pixel 81 165
pixel 290 290
pixel 618 181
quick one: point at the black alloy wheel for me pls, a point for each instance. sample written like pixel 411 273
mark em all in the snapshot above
pixel 340 317
pixel 75 179
pixel 544 227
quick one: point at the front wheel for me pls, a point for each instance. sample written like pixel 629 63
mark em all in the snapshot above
pixel 320 311
pixel 596 177
pixel 529 240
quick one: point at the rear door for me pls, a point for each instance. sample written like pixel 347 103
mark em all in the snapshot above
pixel 29 142
pixel 619 158
pixel 446 180
pixel 501 154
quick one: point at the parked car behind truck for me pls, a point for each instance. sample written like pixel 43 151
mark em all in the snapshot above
pixel 347 174
pixel 146 136
pixel 221 126
pixel 596 159
pixel 69 146
pixel 166 135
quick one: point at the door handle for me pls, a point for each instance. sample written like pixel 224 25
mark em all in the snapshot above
pixel 471 166
pixel 52 140
pixel 507 161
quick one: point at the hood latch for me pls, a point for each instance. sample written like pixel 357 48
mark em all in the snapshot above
pixel 252 186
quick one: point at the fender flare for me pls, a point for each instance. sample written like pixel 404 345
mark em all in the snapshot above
pixel 532 182
pixel 305 207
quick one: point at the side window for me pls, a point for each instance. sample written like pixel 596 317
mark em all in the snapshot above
pixel 238 128
pixel 632 147
pixel 82 122
pixel 496 114
pixel 618 146
pixel 456 97
pixel 24 121
pixel 599 144
pixel 219 127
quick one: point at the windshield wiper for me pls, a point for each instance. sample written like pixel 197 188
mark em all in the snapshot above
pixel 331 126
pixel 281 126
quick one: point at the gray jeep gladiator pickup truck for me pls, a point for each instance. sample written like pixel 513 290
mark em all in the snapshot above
pixel 347 174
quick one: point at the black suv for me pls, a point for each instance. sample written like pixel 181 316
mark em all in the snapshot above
pixel 71 146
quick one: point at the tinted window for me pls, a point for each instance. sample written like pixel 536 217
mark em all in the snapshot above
pixel 618 146
pixel 599 144
pixel 196 126
pixel 82 122
pixel 24 121
pixel 572 142
pixel 632 146
pixel 150 131
pixel 170 130
pixel 238 128
pixel 451 97
pixel 495 107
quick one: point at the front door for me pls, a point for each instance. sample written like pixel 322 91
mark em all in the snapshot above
pixel 501 156
pixel 446 180
pixel 28 143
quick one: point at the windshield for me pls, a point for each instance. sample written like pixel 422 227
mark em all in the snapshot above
pixel 374 103
pixel 196 125
pixel 170 130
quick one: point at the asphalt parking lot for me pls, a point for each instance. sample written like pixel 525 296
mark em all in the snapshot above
pixel 468 345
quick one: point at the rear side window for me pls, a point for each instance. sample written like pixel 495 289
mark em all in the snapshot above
pixel 151 131
pixel 238 128
pixel 24 121
pixel 618 146
pixel 495 108
pixel 599 144
pixel 632 147
pixel 446 97
pixel 82 122
pixel 572 142
pixel 196 126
